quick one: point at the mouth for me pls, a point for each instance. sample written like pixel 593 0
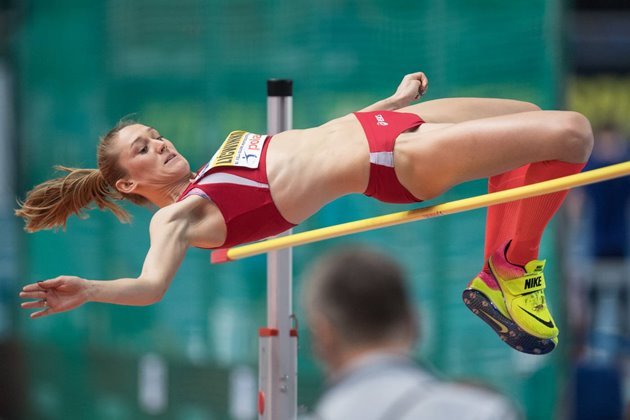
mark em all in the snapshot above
pixel 170 157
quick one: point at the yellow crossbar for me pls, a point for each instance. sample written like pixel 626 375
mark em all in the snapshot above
pixel 457 206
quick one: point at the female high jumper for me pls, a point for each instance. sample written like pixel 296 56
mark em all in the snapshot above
pixel 257 186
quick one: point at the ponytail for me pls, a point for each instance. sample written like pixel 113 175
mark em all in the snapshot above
pixel 49 204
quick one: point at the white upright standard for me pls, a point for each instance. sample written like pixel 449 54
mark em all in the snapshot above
pixel 277 378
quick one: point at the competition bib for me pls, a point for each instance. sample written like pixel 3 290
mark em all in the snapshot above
pixel 241 149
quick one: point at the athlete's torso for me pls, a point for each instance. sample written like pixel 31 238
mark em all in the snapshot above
pixel 309 168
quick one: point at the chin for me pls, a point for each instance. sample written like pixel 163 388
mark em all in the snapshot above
pixel 183 167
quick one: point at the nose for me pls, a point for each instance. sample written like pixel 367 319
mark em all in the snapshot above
pixel 161 147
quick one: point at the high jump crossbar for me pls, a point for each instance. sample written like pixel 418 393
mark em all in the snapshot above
pixel 452 207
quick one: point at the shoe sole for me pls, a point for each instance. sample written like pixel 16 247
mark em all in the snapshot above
pixel 507 330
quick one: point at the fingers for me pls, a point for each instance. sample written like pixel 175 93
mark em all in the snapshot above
pixel 424 84
pixel 420 76
pixel 422 79
pixel 416 75
pixel 50 284
pixel 34 304
pixel 32 291
pixel 43 285
pixel 40 314
pixel 38 294
pixel 32 288
pixel 413 86
pixel 41 302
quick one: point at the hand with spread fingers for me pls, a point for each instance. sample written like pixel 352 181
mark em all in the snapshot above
pixel 56 295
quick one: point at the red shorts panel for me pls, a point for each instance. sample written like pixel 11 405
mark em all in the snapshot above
pixel 381 130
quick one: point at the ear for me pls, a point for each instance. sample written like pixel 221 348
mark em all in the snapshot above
pixel 126 186
pixel 325 336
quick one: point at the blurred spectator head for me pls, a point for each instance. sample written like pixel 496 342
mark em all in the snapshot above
pixel 357 301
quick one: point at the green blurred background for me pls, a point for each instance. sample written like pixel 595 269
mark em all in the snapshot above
pixel 196 69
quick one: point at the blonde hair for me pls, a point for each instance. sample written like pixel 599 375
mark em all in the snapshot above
pixel 51 203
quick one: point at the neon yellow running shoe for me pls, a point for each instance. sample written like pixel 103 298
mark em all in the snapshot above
pixel 484 298
pixel 523 292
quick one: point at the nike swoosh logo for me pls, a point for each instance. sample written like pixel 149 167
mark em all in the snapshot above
pixel 502 328
pixel 542 321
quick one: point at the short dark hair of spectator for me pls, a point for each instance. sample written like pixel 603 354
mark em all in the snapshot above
pixel 363 293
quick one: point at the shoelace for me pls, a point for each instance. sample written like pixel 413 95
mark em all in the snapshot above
pixel 536 300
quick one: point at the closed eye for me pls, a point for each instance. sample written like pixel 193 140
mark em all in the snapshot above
pixel 156 134
pixel 144 147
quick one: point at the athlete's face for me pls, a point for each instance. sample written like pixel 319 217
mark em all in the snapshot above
pixel 150 160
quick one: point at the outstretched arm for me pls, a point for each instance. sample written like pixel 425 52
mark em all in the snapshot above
pixel 412 87
pixel 168 247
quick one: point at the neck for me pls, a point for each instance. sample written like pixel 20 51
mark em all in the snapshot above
pixel 344 360
pixel 167 194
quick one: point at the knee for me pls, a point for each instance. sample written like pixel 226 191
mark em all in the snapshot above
pixel 429 193
pixel 433 187
pixel 529 107
pixel 577 132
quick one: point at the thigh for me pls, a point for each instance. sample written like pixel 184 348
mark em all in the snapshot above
pixel 455 110
pixel 436 157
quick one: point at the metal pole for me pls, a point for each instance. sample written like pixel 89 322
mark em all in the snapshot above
pixel 277 396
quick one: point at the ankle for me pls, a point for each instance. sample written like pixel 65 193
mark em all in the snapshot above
pixel 486 276
pixel 503 264
pixel 520 253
